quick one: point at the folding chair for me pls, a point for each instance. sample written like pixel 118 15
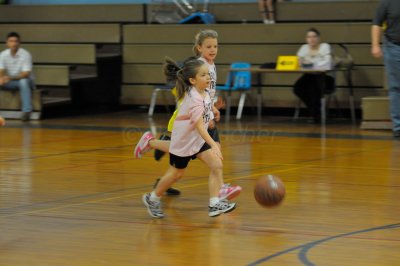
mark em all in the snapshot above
pixel 237 80
pixel 159 88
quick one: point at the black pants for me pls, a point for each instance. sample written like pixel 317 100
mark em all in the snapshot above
pixel 308 89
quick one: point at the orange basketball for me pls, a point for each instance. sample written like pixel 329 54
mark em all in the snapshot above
pixel 269 191
pixel 2 121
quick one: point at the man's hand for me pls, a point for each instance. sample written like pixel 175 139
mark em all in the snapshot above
pixel 4 80
pixel 376 51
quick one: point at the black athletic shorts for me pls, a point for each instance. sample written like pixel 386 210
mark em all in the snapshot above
pixel 214 134
pixel 182 162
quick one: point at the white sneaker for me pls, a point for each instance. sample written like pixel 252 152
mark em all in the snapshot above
pixel 221 207
pixel 153 207
pixel 266 21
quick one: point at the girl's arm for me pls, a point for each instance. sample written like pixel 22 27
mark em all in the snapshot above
pixel 204 134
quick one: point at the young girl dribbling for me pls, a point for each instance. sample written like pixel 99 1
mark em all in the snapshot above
pixel 189 139
pixel 205 49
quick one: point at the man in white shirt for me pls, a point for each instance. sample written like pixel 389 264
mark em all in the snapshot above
pixel 15 72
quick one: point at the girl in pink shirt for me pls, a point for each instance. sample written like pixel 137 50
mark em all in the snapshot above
pixel 205 49
pixel 189 139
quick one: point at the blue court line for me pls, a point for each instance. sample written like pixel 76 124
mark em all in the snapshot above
pixel 245 132
pixel 306 247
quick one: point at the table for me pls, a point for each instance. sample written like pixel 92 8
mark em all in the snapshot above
pixel 348 77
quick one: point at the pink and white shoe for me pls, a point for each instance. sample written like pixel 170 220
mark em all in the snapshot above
pixel 143 145
pixel 229 192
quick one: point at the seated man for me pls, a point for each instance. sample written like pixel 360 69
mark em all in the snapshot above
pixel 15 72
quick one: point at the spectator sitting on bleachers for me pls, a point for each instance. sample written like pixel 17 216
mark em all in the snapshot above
pixel 15 72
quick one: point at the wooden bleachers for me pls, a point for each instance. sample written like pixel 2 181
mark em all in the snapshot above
pixel 322 11
pixel 66 46
pixel 64 33
pixel 260 34
pixel 327 11
pixel 254 43
pixel 55 67
pixel 72 14
pixel 53 70
pixel 62 53
pixel 79 30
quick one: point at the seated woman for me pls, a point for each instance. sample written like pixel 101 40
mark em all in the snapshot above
pixel 314 55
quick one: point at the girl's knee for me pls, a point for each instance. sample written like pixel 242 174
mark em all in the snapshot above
pixel 216 166
pixel 178 174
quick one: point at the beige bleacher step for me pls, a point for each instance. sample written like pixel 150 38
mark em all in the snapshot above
pixel 11 114
pixel 49 101
pixel 79 76
pixel 375 108
pixel 82 72
pixel 376 125
pixel 107 55
pixel 376 112
pixel 11 100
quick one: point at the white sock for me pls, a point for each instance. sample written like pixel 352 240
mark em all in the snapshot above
pixel 213 201
pixel 154 197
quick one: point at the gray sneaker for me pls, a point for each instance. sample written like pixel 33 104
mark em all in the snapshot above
pixel 221 207
pixel 153 207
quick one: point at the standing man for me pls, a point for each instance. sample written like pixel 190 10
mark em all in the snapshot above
pixel 387 19
pixel 15 72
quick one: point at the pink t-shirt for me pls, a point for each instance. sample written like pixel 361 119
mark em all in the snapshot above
pixel 185 139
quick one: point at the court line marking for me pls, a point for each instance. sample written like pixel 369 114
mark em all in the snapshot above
pixel 139 193
pixel 242 132
pixel 305 248
pixel 40 156
pixel 306 164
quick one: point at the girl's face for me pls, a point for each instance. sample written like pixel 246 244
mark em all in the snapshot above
pixel 202 79
pixel 208 49
pixel 312 39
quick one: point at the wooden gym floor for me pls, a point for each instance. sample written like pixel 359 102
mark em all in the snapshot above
pixel 70 194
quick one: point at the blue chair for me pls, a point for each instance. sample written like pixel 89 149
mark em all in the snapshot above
pixel 237 80
pixel 198 18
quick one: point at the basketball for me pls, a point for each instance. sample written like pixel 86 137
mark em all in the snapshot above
pixel 269 191
pixel 2 121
